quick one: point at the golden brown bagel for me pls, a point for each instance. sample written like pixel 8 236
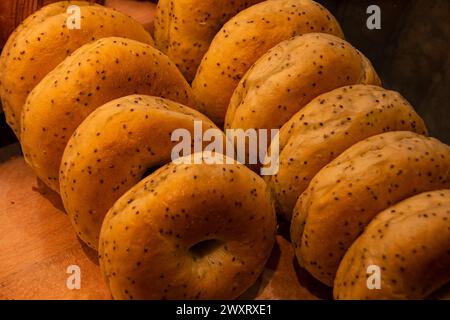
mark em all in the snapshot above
pixel 184 29
pixel 365 179
pixel 188 232
pixel 112 149
pixel 28 23
pixel 96 73
pixel 409 242
pixel 290 75
pixel 329 125
pixel 245 38
pixel 39 46
pixel 35 19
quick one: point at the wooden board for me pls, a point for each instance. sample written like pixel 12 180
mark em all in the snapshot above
pixel 37 244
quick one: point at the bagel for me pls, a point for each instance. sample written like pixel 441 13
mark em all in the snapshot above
pixel 33 20
pixel 110 152
pixel 43 43
pixel 28 23
pixel 184 29
pixel 329 125
pixel 290 75
pixel 409 242
pixel 96 73
pixel 365 179
pixel 245 38
pixel 188 232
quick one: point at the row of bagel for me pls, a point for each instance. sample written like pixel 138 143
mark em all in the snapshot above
pixel 358 180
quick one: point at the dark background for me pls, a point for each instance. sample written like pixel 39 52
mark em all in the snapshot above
pixel 410 52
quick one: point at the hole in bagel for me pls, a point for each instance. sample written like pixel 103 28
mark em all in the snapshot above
pixel 205 247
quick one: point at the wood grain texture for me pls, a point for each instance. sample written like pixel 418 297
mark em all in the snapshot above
pixel 37 244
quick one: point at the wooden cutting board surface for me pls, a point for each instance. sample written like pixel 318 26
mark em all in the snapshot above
pixel 37 244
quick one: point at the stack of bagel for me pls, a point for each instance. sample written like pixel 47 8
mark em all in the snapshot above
pixel 360 183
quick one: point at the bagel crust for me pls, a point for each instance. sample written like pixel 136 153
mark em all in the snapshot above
pixel 409 242
pixel 326 127
pixel 36 18
pixel 39 46
pixel 110 152
pixel 149 242
pixel 95 74
pixel 31 21
pixel 346 194
pixel 245 38
pixel 184 29
pixel 290 75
